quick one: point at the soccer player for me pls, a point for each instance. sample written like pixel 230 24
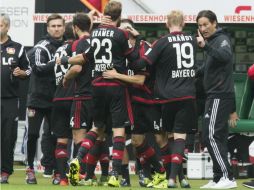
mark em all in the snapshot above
pixel 40 94
pixel 81 120
pixel 14 66
pixel 81 117
pixel 147 113
pixel 220 102
pixel 174 56
pixel 61 109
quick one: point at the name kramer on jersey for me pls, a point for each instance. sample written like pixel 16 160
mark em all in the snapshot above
pixel 105 61
pixel 183 70
pixel 103 33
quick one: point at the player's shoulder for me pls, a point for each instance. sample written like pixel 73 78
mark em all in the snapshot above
pixel 14 47
pixel 145 44
pixel 64 46
pixel 43 42
pixel 120 32
pixel 161 40
pixel 14 44
pixel 75 42
pixel 43 45
pixel 84 40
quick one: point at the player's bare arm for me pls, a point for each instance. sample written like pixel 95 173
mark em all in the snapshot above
pixel 71 73
pixel 75 60
pixel 134 79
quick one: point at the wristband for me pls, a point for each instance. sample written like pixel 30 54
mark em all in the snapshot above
pixel 64 60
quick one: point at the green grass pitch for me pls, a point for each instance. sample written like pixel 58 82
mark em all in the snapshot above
pixel 17 182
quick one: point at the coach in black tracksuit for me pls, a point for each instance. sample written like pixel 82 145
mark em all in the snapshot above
pixel 61 108
pixel 220 102
pixel 14 65
pixel 41 92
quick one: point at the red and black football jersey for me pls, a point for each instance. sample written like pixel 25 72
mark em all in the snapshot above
pixel 144 93
pixel 83 80
pixel 174 58
pixel 109 49
pixel 62 93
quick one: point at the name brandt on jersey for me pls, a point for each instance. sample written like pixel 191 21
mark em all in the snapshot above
pixel 103 33
pixel 178 38
pixel 184 73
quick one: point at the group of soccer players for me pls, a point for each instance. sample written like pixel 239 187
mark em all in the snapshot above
pixel 132 84
pixel 111 79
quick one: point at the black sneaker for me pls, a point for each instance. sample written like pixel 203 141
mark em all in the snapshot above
pixel 30 176
pixel 125 183
pixel 249 184
pixel 48 172
pixel 141 178
pixel 4 178
pixel 103 180
pixel 56 179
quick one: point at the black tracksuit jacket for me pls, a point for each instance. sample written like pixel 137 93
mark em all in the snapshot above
pixel 42 88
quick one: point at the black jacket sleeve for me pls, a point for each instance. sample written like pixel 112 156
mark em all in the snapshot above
pixel 43 70
pixel 39 58
pixel 222 52
pixel 200 68
pixel 24 63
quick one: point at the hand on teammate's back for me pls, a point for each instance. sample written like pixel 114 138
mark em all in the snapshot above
pixel 109 74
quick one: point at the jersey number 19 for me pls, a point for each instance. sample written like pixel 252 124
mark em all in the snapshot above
pixel 184 58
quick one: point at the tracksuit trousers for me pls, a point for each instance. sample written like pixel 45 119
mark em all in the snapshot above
pixel 215 135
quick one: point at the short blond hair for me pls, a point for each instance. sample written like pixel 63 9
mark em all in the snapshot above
pixel 175 18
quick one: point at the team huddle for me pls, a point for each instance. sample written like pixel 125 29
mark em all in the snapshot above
pixel 109 79
pixel 130 100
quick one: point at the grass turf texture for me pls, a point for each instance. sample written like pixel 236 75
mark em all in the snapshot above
pixel 17 182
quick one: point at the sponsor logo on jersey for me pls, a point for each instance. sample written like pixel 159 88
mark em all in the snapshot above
pixel 224 43
pixel 10 50
pixel 175 158
pixel 86 143
pixel 115 154
pixel 84 124
pixel 61 153
pixel 184 73
pixel 105 158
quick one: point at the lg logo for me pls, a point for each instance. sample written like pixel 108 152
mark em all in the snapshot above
pixel 6 61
